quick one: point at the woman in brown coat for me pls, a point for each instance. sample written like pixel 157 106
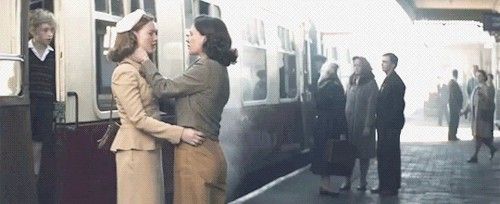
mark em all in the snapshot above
pixel 360 113
pixel 201 94
pixel 482 107
pixel 137 146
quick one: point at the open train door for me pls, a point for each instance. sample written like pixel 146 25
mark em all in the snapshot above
pixel 17 183
pixel 307 86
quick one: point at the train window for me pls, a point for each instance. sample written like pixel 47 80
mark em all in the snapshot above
pixel 214 11
pixel 260 31
pixel 10 79
pixel 34 4
pixel 101 6
pixel 11 49
pixel 113 7
pixel 105 35
pixel 203 7
pixel 287 64
pixel 288 75
pixel 254 33
pixel 149 7
pixel 253 62
pixel 254 81
pixel 188 13
pixel 134 5
pixel 286 39
pixel 117 7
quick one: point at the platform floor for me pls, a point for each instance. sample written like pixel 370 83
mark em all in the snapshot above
pixel 433 171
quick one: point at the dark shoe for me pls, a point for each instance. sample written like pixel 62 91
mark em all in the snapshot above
pixel 492 153
pixel 323 191
pixel 375 190
pixel 472 160
pixel 387 193
pixel 362 188
pixel 345 187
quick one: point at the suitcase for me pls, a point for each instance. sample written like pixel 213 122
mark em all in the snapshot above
pixel 341 155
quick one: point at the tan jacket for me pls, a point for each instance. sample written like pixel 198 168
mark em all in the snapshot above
pixel 139 112
pixel 201 94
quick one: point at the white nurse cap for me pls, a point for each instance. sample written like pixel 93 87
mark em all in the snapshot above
pixel 129 21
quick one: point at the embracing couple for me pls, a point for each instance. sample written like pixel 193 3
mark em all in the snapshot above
pixel 201 93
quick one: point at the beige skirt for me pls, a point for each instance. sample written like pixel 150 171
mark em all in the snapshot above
pixel 139 177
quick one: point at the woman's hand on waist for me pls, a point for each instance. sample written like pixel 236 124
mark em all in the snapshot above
pixel 192 137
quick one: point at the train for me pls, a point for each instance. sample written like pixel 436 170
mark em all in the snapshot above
pixel 262 125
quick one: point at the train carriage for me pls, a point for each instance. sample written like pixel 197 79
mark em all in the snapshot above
pixel 267 119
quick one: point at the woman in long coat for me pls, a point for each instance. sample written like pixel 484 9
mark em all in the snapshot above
pixel 360 113
pixel 137 144
pixel 482 107
pixel 330 105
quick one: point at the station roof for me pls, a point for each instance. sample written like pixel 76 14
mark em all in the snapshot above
pixel 449 9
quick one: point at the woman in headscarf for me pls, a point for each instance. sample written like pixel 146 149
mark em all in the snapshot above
pixel 360 113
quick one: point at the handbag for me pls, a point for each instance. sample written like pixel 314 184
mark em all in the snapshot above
pixel 341 154
pixel 110 134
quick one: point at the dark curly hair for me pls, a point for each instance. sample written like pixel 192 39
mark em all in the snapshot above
pixel 218 42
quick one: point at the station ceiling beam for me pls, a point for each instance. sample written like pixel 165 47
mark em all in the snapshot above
pixel 463 10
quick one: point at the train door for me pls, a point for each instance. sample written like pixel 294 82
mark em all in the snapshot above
pixel 307 100
pixel 17 183
pixel 83 79
pixel 288 91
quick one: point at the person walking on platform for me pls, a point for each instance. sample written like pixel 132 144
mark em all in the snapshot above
pixel 330 105
pixel 455 103
pixel 390 121
pixel 482 107
pixel 360 113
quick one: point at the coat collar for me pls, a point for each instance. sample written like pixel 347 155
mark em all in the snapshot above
pixel 388 79
pixel 129 60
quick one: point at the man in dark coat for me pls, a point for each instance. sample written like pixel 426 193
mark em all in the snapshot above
pixel 390 121
pixel 455 102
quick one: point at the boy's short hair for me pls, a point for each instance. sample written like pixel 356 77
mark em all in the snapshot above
pixel 38 17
